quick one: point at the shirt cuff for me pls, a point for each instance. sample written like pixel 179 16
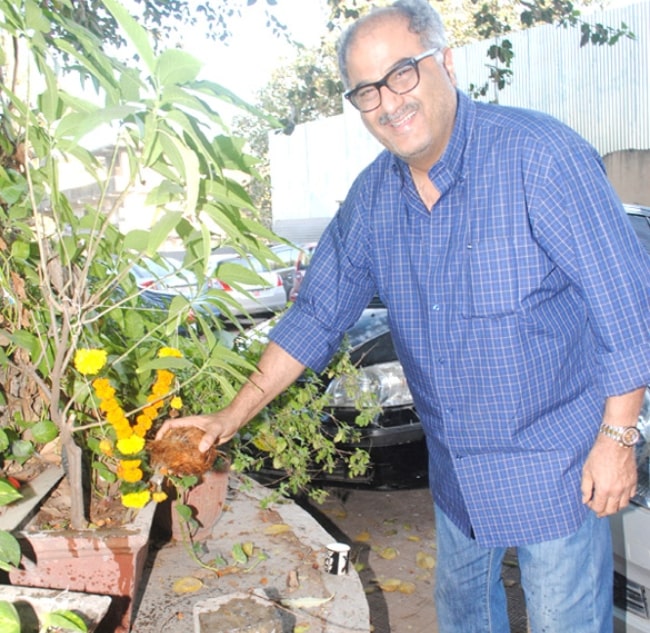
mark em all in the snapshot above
pixel 626 370
pixel 304 337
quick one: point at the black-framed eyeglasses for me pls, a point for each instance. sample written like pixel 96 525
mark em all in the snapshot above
pixel 400 80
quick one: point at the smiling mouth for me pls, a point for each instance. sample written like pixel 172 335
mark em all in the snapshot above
pixel 399 118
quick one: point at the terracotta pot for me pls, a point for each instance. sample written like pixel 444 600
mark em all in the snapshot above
pixel 106 561
pixel 207 499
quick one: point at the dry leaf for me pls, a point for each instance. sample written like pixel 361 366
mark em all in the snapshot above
pixel 425 561
pixel 301 628
pixel 305 603
pixel 388 553
pixel 362 537
pixel 187 584
pixel 407 588
pixel 413 537
pixel 277 528
pixel 391 584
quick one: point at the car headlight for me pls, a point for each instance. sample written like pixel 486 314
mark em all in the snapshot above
pixel 385 382
pixel 642 449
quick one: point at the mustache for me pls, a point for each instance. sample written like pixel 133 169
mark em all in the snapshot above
pixel 387 119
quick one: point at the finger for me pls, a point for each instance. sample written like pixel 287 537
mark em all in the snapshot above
pixel 587 487
pixel 207 441
pixel 166 425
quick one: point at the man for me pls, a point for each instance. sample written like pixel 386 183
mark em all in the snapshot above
pixel 518 299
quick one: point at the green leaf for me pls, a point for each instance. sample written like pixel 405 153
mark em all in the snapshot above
pixel 44 431
pixel 176 67
pixel 9 549
pixel 138 36
pixel 8 494
pixel 160 231
pixel 76 125
pixel 238 554
pixel 9 618
pixel 64 620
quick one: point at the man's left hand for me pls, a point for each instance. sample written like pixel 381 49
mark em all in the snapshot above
pixel 608 477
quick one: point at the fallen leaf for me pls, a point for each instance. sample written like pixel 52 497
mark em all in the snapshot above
pixel 407 588
pixel 301 628
pixel 362 537
pixel 413 537
pixel 388 553
pixel 359 567
pixel 391 584
pixel 277 528
pixel 248 548
pixel 187 584
pixel 425 561
pixel 305 603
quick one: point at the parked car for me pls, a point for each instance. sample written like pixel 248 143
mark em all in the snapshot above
pixel 289 256
pixel 631 527
pixel 261 293
pixel 301 266
pixel 163 280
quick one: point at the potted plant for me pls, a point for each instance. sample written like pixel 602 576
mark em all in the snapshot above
pixel 71 307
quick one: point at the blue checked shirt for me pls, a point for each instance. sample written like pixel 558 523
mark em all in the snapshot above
pixel 517 305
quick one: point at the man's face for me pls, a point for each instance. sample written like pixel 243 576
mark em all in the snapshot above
pixel 417 125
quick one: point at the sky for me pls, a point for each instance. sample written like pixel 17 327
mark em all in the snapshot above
pixel 245 64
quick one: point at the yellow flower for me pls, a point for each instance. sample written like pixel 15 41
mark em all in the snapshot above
pixel 129 474
pixel 103 388
pixel 130 463
pixel 136 499
pixel 116 417
pixel 159 496
pixel 89 361
pixel 130 445
pixel 176 403
pixel 106 448
pixel 169 351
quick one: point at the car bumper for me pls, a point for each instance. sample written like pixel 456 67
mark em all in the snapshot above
pixel 631 543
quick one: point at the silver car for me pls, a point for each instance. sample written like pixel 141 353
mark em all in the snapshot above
pixel 631 527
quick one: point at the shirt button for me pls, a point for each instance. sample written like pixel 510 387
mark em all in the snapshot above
pixel 441 361
pixel 436 307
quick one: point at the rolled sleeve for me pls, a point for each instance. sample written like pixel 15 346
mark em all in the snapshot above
pixel 306 338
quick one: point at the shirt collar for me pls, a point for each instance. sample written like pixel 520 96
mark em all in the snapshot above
pixel 450 167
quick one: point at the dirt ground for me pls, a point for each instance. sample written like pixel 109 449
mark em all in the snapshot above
pixel 392 534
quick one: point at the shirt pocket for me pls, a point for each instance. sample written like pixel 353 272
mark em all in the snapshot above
pixel 491 278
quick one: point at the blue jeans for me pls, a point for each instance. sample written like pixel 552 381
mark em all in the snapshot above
pixel 567 582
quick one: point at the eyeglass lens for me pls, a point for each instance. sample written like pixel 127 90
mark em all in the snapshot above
pixel 400 80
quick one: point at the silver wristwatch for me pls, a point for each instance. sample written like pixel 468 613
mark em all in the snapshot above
pixel 626 436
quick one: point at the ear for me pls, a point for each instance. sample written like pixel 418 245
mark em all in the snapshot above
pixel 448 65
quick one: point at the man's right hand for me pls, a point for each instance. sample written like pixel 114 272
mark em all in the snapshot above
pixel 218 428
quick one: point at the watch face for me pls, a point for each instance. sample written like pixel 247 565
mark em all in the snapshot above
pixel 630 436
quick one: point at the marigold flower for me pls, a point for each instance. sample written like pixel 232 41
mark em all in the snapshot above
pixel 106 448
pixel 130 475
pixel 89 361
pixel 136 499
pixel 116 417
pixel 103 388
pixel 123 431
pixel 176 403
pixel 165 352
pixel 159 496
pixel 130 445
pixel 109 405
